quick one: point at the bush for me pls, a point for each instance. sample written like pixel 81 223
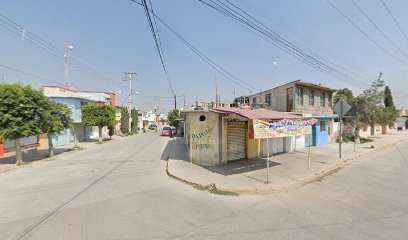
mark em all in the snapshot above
pixel 366 140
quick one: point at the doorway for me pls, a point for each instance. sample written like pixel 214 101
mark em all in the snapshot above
pixel 329 129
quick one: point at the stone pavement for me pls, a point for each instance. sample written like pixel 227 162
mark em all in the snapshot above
pixel 287 170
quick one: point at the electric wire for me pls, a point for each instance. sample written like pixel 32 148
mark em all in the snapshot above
pixel 206 59
pixel 394 19
pixel 365 34
pixel 238 15
pixel 157 43
pixel 379 29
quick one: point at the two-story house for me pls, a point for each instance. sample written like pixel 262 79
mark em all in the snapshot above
pixel 305 99
pixel 75 100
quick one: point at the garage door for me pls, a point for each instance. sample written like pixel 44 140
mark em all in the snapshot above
pixel 236 140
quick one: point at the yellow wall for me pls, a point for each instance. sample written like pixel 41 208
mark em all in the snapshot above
pixel 42 140
pixel 203 138
pixel 224 141
pixel 252 147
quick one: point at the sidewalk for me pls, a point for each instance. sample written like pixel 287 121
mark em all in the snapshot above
pixel 8 161
pixel 287 170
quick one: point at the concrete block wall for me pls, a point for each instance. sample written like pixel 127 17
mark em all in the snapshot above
pixel 317 109
pixel 278 97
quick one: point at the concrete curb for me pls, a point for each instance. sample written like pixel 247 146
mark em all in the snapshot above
pixel 270 189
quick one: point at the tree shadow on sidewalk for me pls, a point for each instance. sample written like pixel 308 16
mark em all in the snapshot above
pixel 32 155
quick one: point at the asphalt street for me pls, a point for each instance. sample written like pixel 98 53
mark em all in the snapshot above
pixel 120 190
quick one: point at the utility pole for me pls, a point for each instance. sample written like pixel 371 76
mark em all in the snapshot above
pixel 129 77
pixel 184 100
pixel 175 102
pixel 216 92
pixel 67 48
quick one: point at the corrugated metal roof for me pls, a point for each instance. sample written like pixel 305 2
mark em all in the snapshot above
pixel 256 114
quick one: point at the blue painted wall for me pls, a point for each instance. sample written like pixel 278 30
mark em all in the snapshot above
pixel 74 104
pixel 321 138
pixel 67 137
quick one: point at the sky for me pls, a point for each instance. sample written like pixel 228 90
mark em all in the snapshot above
pixel 113 36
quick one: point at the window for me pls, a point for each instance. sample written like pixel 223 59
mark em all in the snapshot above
pixel 268 100
pixel 299 96
pixel 254 101
pixel 202 118
pixel 311 98
pixel 322 126
pixel 330 100
pixel 323 99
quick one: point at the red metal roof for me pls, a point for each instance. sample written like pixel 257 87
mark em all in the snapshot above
pixel 256 114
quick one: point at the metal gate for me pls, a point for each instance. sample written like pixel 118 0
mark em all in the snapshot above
pixel 236 140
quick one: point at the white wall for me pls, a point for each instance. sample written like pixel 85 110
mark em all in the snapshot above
pixel 276 145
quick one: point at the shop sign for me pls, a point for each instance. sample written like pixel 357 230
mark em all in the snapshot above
pixel 281 128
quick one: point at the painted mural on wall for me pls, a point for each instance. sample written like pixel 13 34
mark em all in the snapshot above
pixel 281 128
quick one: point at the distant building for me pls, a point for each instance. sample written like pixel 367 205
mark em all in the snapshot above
pixel 75 100
pixel 305 99
pixel 241 101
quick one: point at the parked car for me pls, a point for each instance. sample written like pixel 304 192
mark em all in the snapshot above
pixel 152 126
pixel 166 131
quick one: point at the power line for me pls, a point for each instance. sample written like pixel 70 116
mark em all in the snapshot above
pixel 394 19
pixel 30 74
pixel 48 48
pixel 365 34
pixel 156 37
pixel 379 29
pixel 206 59
pixel 238 15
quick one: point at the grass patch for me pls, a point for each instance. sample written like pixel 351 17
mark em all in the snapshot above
pixel 366 140
pixel 209 188
pixel 75 148
pixel 23 163
pixel 213 189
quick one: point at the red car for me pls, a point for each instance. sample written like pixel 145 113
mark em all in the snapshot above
pixel 166 131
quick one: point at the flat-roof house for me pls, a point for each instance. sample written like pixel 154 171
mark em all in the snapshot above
pixel 304 99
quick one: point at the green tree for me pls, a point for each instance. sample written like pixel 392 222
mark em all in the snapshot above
pixel 135 120
pixel 20 114
pixel 57 118
pixel 367 108
pixel 98 115
pixel 388 100
pixel 111 130
pixel 389 114
pixel 345 93
pixel 124 120
pixel 172 118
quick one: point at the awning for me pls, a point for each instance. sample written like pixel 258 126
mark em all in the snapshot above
pixel 266 123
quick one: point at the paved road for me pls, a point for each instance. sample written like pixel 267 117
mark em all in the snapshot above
pixel 120 191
